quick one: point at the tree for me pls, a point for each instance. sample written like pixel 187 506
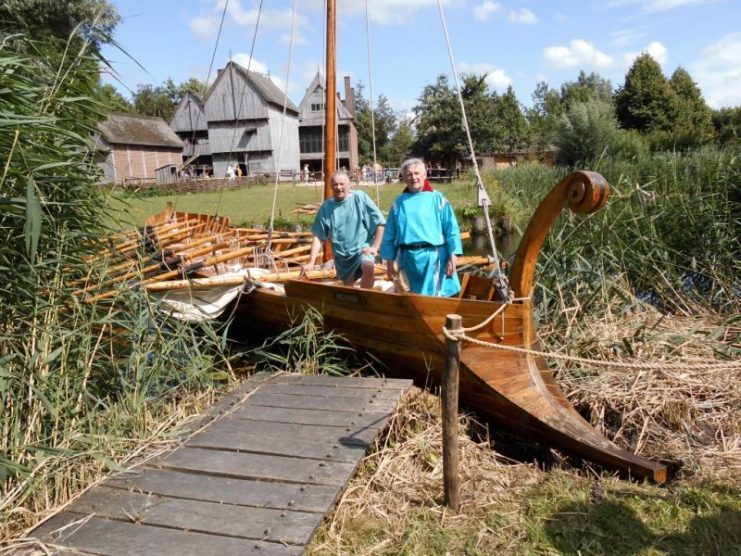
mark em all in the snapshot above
pixel 585 131
pixel 440 133
pixel 382 119
pixel 694 123
pixel 94 20
pixel 544 115
pixel 646 102
pixel 586 87
pixel 401 142
pixel 514 128
pixel 727 124
pixel 111 99
pixel 162 100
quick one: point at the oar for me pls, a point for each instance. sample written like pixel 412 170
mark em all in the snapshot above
pixel 180 271
pixel 162 265
pixel 222 281
pixel 158 257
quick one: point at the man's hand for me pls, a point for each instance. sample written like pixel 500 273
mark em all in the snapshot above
pixel 450 266
pixel 390 270
pixel 306 268
pixel 370 250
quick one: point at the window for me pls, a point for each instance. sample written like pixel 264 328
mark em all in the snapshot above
pixel 310 139
pixel 343 140
pixel 317 106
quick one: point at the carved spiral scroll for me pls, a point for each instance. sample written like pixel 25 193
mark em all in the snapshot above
pixel 583 192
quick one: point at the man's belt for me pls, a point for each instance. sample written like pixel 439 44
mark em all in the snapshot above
pixel 420 245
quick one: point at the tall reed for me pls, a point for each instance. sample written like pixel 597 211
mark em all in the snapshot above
pixel 81 386
pixel 669 234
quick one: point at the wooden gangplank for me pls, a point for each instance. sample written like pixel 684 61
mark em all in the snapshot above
pixel 259 474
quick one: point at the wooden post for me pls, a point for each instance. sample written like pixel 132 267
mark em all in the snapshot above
pixel 450 414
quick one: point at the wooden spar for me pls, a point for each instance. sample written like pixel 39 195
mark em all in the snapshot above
pixel 223 281
pixel 156 258
pixel 179 259
pixel 330 111
pixel 179 272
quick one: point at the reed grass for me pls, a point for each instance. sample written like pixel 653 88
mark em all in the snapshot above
pixel 82 387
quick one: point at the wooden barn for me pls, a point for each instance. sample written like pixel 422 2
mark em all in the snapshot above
pixel 248 121
pixel 189 123
pixel 133 147
pixel 311 127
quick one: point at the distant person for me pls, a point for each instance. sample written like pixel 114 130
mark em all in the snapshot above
pixel 421 237
pixel 238 171
pixel 355 225
pixel 229 172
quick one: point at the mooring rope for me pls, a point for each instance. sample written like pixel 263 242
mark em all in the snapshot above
pixel 460 335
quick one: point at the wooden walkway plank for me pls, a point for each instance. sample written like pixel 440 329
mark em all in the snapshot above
pixel 244 492
pixel 263 467
pixel 283 526
pixel 377 421
pixel 266 464
pixel 363 433
pixel 117 538
pixel 256 442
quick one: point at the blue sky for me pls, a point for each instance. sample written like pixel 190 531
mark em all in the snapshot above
pixel 517 42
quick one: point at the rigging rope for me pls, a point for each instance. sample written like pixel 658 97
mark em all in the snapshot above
pixel 370 94
pixel 208 78
pixel 276 165
pixel 483 196
pixel 238 110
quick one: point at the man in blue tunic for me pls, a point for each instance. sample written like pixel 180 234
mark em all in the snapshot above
pixel 422 237
pixel 355 225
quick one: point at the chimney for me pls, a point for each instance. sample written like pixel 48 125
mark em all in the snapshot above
pixel 349 96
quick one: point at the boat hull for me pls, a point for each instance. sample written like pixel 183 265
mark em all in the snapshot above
pixel 512 389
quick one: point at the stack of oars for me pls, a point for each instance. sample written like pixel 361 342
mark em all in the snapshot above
pixel 182 250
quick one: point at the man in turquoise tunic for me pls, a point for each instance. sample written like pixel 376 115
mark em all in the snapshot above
pixel 355 225
pixel 422 237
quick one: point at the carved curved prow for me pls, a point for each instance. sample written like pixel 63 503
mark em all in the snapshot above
pixel 583 192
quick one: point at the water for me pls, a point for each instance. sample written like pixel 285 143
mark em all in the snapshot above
pixel 478 244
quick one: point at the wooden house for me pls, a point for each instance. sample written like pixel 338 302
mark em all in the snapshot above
pixel 500 160
pixel 248 121
pixel 311 127
pixel 133 147
pixel 189 123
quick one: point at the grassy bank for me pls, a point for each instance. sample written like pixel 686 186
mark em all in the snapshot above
pixel 253 204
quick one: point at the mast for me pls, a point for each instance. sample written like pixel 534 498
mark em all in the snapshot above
pixel 330 111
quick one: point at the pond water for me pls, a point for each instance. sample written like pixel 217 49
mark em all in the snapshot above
pixel 478 244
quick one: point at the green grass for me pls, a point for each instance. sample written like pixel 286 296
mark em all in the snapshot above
pixel 253 204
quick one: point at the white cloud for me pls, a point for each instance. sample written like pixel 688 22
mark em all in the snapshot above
pixel 522 16
pixel 496 78
pixel 627 37
pixel 579 53
pixel 718 72
pixel 654 6
pixel 390 12
pixel 243 60
pixel 656 50
pixel 485 9
pixel 204 27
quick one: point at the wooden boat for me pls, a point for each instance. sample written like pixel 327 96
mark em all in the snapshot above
pixel 511 386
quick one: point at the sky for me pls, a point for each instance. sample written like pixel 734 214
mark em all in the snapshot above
pixel 397 47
